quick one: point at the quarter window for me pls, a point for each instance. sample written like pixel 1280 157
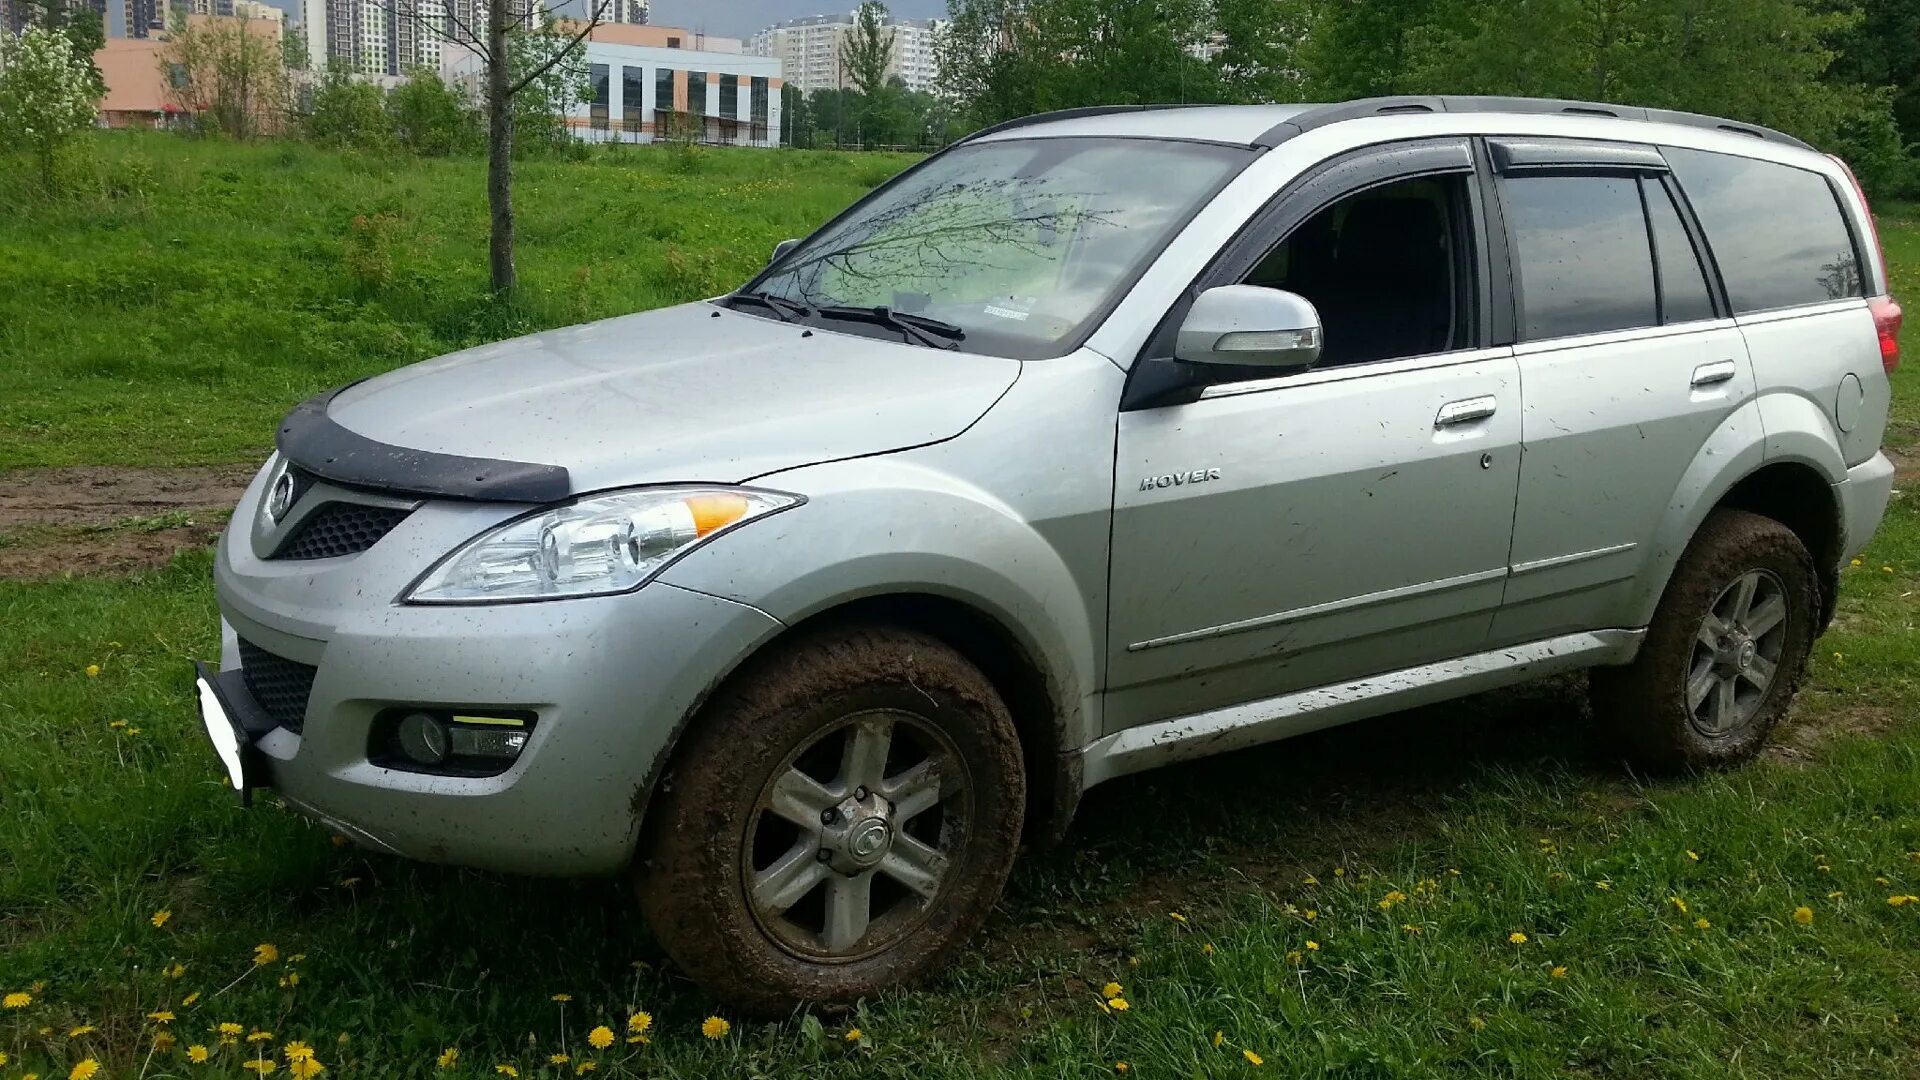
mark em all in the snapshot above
pixel 1776 231
pixel 1582 256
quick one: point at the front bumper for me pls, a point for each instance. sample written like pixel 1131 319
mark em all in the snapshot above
pixel 609 679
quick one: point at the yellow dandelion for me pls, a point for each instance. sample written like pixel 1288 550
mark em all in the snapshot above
pixel 1517 938
pixel 1294 957
pixel 448 1058
pixel 1679 904
pixel 164 1041
pixel 1120 1066
pixel 1803 915
pixel 1902 901
pixel 1886 569
pixel 85 1068
pixel 1559 971
pixel 562 998
pixel 1309 914
pixel 1309 880
pixel 714 1027
pixel 159 918
pixel 187 1002
pixel 1835 895
pixel 1859 562
pixel 197 1054
pixel 1118 1004
pixel 585 1067
pixel 1218 1038
pixel 83 1029
pixel 161 1017
pixel 1702 924
pixel 175 971
pixel 265 953
pixel 296 1051
pixel 1388 901
pixel 230 1028
pixel 600 1038
pixel 93 672
pixel 559 1059
pixel 852 1035
pixel 262 1066
pixel 1206 949
pixel 639 1022
pixel 1176 916
pixel 19 999
pixel 258 1036
pixel 1603 885
pixel 306 1068
pixel 1111 990
pixel 1476 1023
pixel 1253 1058
pixel 1313 946
pixel 1411 928
pixel 506 1070
pixel 1339 871
pixel 1692 855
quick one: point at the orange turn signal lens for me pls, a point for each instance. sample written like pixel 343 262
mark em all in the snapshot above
pixel 712 512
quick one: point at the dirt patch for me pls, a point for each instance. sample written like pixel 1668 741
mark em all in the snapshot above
pixel 1906 465
pixel 108 520
pixel 1799 740
pixel 104 495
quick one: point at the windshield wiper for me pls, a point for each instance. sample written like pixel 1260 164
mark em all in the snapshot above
pixel 932 333
pixel 784 309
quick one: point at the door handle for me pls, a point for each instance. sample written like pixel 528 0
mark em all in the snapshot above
pixel 1715 373
pixel 1454 413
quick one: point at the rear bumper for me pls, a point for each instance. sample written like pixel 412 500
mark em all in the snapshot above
pixel 1862 498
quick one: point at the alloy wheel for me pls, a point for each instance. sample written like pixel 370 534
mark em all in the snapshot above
pixel 1736 653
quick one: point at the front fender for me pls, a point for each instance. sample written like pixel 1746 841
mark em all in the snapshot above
pixel 891 526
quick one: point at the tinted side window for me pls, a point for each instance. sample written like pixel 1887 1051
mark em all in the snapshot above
pixel 1683 284
pixel 1581 253
pixel 1775 230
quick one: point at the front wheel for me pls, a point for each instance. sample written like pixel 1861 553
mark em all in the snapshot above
pixel 841 818
pixel 1725 652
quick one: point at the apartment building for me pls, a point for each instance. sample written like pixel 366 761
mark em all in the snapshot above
pixel 810 49
pixel 388 38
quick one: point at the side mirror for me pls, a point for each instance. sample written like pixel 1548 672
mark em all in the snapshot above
pixel 780 250
pixel 1250 326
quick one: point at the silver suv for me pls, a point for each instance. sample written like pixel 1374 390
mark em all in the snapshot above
pixel 1102 440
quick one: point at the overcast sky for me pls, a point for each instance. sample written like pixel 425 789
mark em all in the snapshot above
pixel 727 18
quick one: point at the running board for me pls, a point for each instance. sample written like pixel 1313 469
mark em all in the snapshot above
pixel 1237 727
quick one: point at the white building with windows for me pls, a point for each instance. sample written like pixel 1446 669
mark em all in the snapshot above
pixel 809 50
pixel 654 83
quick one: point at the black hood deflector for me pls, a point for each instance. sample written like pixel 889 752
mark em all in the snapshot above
pixel 313 440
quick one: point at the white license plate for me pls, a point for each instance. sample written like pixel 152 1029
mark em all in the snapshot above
pixel 223 733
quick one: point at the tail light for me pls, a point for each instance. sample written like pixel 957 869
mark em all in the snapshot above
pixel 1886 310
pixel 1886 323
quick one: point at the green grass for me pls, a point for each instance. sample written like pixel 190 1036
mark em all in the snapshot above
pixel 1495 816
pixel 228 282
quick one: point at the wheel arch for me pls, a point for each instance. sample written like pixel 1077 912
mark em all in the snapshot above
pixel 1036 698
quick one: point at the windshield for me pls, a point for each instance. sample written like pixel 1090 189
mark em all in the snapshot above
pixel 1008 248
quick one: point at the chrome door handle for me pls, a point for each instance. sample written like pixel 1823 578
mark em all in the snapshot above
pixel 1465 412
pixel 1715 373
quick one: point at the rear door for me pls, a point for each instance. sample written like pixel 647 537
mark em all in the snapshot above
pixel 1628 363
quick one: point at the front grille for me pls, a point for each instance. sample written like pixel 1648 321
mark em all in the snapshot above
pixel 280 686
pixel 340 528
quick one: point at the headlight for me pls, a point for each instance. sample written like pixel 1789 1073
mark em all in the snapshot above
pixel 599 545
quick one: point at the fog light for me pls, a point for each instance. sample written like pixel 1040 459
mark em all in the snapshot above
pixel 423 738
pixel 488 743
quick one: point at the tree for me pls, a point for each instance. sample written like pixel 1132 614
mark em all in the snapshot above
pixel 868 51
pixel 83 27
pixel 293 49
pixel 525 74
pixel 431 118
pixel 347 112
pixel 49 93
pixel 226 76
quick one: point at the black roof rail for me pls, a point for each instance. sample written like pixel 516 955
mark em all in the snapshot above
pixel 1387 106
pixel 1067 114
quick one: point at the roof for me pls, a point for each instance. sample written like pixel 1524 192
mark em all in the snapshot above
pixel 1271 125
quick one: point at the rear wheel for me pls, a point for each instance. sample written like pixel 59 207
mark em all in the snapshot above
pixel 840 820
pixel 1726 649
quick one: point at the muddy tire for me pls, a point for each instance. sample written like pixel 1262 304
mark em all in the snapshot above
pixel 1725 652
pixel 839 820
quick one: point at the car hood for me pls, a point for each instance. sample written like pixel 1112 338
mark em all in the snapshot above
pixel 690 393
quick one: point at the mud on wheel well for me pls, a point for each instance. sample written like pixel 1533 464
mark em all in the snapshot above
pixel 1052 791
pixel 1799 498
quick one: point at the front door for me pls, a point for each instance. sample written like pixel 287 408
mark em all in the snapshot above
pixel 1286 533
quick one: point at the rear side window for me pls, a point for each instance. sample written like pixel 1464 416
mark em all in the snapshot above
pixel 1583 259
pixel 1683 284
pixel 1775 230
